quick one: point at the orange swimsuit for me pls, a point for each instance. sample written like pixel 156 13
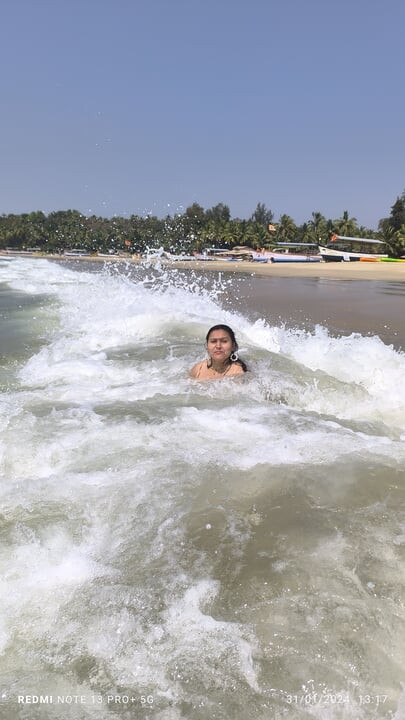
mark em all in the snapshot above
pixel 202 372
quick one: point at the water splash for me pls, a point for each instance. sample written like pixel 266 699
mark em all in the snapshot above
pixel 213 545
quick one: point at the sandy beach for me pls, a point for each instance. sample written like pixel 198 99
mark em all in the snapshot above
pixel 394 272
pixel 385 271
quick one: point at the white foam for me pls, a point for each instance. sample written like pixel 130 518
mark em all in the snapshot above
pixel 200 637
pixel 107 449
pixel 103 312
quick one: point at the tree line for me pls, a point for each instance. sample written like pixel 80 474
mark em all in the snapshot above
pixel 192 231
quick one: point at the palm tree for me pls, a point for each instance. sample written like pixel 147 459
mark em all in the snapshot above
pixel 401 240
pixel 363 232
pixel 231 234
pixel 346 225
pixel 262 215
pixel 286 229
pixel 209 233
pixel 394 239
pixel 316 228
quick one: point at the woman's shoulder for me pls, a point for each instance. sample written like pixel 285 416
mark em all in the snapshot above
pixel 196 369
pixel 235 369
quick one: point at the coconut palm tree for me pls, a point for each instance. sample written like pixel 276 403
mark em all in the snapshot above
pixel 286 229
pixel 316 228
pixel 401 240
pixel 346 225
pixel 394 239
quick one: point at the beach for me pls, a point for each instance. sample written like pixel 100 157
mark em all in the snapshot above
pixel 392 272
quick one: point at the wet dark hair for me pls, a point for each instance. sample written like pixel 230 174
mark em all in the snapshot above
pixel 231 334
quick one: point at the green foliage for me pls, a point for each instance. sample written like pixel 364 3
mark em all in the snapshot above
pixel 286 229
pixel 262 216
pixel 394 223
pixel 315 229
pixel 218 214
pixel 400 246
pixel 394 239
pixel 346 225
pixel 191 231
pixel 397 217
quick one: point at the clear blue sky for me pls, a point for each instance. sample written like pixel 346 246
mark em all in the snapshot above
pixel 136 106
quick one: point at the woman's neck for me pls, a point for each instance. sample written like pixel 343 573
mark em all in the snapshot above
pixel 220 367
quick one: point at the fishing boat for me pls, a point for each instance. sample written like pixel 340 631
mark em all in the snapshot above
pixel 289 252
pixel 76 253
pixel 349 249
pixel 239 252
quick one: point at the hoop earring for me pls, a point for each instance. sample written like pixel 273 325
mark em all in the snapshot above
pixel 234 356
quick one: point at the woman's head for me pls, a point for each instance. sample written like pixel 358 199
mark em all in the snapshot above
pixel 221 343
pixel 222 346
pixel 222 331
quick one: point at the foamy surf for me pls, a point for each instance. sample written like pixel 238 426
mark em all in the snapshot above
pixel 210 550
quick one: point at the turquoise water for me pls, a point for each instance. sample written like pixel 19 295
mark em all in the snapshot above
pixel 177 550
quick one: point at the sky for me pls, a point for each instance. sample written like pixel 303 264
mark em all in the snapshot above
pixel 121 107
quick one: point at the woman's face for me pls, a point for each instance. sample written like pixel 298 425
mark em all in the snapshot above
pixel 219 345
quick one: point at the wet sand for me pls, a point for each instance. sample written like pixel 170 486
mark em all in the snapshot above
pixel 334 295
pixel 343 306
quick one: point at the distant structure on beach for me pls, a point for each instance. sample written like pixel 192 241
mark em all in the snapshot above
pixel 76 253
pixel 348 249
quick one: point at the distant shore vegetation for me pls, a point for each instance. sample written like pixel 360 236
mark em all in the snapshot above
pixel 193 231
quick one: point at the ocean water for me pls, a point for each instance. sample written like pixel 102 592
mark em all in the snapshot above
pixel 173 549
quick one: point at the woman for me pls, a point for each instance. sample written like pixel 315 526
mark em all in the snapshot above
pixel 223 358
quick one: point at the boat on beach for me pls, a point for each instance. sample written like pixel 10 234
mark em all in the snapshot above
pixel 289 252
pixel 284 252
pixel 76 253
pixel 389 259
pixel 349 249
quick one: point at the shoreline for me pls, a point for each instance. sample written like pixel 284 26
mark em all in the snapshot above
pixel 395 272
pixel 391 272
